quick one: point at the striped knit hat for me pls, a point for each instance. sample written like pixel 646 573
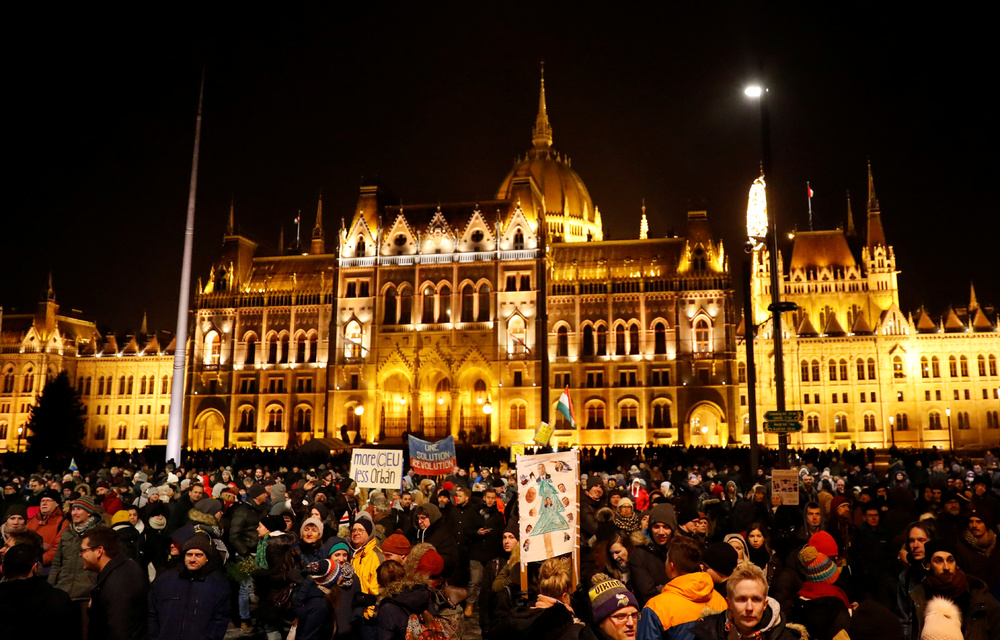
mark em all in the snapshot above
pixel 84 502
pixel 817 567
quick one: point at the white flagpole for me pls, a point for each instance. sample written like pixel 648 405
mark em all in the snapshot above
pixel 176 424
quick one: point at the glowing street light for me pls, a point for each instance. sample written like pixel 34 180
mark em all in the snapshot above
pixel 359 410
pixel 753 91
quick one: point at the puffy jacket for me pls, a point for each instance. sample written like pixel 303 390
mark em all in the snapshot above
pixel 67 572
pixel 366 561
pixel 682 600
pixel 648 571
pixel 184 605
pixel 51 530
pixel 401 599
pixel 118 601
pixel 243 528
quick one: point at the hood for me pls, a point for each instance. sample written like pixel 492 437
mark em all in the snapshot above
pixel 413 558
pixel 202 518
pixel 695 587
pixel 410 593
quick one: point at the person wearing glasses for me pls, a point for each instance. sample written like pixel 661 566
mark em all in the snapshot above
pixel 118 602
pixel 615 609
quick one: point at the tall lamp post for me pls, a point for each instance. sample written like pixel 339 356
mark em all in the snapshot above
pixel 20 432
pixel 951 440
pixel 892 430
pixel 776 307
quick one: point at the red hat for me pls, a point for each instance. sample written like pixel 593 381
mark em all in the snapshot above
pixel 397 544
pixel 448 486
pixel 836 502
pixel 824 543
pixel 431 563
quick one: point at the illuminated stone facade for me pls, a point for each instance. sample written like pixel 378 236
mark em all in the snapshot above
pixel 861 371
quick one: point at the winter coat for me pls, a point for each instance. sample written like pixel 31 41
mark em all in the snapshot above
pixel 184 605
pixel 243 528
pixel 976 562
pixel 51 531
pixel 67 572
pixel 118 601
pixel 823 617
pixel 553 623
pixel 281 570
pixel 400 600
pixel 980 611
pixel 648 571
pixel 443 538
pixel 682 600
pixel 31 608
pixel 772 627
pixel 487 547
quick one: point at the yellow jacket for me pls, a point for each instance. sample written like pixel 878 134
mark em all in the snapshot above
pixel 682 600
pixel 366 561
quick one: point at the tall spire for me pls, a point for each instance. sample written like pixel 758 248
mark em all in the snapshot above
pixel 230 224
pixel 318 245
pixel 876 236
pixel 973 303
pixel 541 135
pixel 281 241
pixel 142 329
pixel 644 224
pixel 50 294
pixel 851 231
pixel 872 198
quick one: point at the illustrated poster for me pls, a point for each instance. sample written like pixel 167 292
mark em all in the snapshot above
pixel 785 483
pixel 548 508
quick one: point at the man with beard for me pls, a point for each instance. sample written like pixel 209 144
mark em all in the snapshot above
pixel 980 611
pixel 978 549
pixel 50 524
pixel 68 572
pixel 647 563
pixel 485 546
pixel 118 599
pixel 191 601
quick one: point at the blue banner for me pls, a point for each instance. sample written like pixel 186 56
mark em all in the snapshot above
pixel 433 458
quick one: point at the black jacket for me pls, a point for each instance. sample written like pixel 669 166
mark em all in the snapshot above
pixel 401 601
pixel 772 628
pixel 442 537
pixel 489 546
pixel 243 528
pixel 553 623
pixel 185 605
pixel 32 608
pixel 647 566
pixel 118 601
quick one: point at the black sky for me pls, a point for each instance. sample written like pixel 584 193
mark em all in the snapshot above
pixel 437 100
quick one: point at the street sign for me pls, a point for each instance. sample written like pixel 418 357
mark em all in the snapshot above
pixel 782 416
pixel 782 426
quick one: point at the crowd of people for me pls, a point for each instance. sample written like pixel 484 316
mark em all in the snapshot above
pixel 675 544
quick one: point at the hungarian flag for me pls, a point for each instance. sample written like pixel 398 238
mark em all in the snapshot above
pixel 565 407
pixel 810 190
pixel 298 218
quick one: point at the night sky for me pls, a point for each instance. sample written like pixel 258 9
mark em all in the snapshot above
pixel 436 101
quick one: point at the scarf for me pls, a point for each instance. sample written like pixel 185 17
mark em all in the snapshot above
pixel 627 524
pixel 983 545
pixel 260 558
pixel 346 575
pixel 91 522
pixel 937 587
pixel 813 590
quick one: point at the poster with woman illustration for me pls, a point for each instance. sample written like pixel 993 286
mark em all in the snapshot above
pixel 549 512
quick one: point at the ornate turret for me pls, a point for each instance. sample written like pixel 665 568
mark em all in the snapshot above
pixel 541 135
pixel 876 236
pixel 851 231
pixel 318 245
pixel 643 224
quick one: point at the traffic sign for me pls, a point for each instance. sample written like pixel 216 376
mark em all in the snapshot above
pixel 782 426
pixel 782 416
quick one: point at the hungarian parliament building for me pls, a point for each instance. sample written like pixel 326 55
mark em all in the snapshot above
pixel 464 318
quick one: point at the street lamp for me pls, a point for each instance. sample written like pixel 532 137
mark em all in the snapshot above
pixel 20 431
pixel 756 232
pixel 951 440
pixel 892 431
pixel 759 93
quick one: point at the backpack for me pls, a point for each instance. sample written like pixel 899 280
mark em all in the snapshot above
pixel 425 627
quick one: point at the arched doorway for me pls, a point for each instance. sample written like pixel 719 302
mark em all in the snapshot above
pixel 209 430
pixel 707 426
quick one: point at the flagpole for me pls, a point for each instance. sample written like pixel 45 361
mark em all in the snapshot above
pixel 176 424
pixel 809 194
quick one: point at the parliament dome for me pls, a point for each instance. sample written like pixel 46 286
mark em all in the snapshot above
pixel 569 210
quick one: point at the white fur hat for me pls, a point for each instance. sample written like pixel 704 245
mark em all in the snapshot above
pixel 942 621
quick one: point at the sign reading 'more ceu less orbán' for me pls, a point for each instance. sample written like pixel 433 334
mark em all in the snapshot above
pixel 377 468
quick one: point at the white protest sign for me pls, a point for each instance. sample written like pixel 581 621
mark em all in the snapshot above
pixel 785 483
pixel 547 506
pixel 377 468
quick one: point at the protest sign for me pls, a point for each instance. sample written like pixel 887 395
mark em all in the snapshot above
pixel 785 483
pixel 516 449
pixel 547 504
pixel 377 468
pixel 432 458
pixel 543 433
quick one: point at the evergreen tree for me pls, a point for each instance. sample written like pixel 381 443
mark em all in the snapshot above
pixel 57 421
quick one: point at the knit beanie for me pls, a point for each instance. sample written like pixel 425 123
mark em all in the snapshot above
pixel 255 490
pixel 273 523
pixel 84 502
pixel 17 509
pixel 939 544
pixel 824 543
pixel 663 512
pixel 208 506
pixel 277 491
pixel 593 481
pixel 120 516
pixel 339 544
pixel 609 595
pixel 686 515
pixel 730 537
pixel 365 521
pixel 324 572
pixel 513 529
pixel 836 502
pixel 397 544
pixel 817 567
pixel 431 563
pixel 942 620
pixel 316 522
pixel 323 511
pixel 50 493
pixel 140 477
pixel 201 541
pixel 720 557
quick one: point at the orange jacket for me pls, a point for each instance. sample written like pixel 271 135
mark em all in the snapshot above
pixel 51 531
pixel 682 600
